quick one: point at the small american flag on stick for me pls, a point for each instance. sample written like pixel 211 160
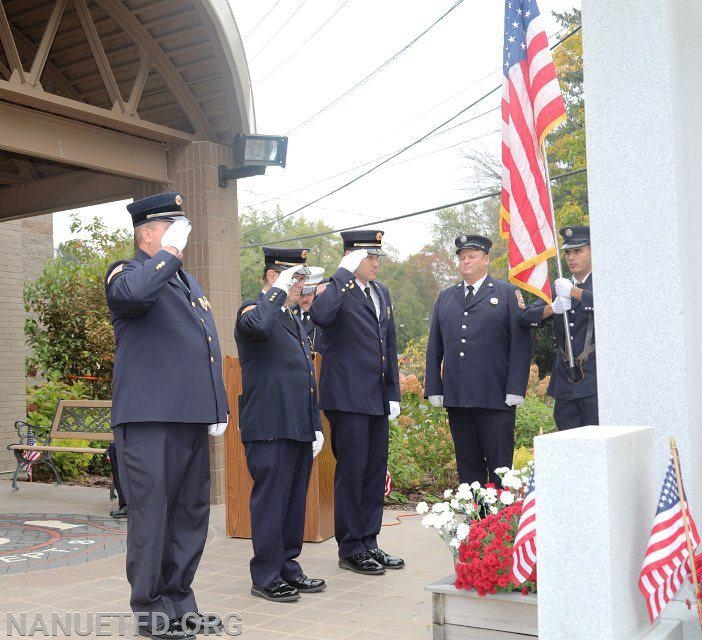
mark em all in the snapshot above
pixel 672 542
pixel 524 549
pixel 30 456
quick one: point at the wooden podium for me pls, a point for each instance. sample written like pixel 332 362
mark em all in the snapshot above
pixel 319 517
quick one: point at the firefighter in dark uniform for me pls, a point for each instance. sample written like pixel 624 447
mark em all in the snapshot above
pixel 167 392
pixel 478 358
pixel 302 310
pixel 576 398
pixel 359 391
pixel 280 425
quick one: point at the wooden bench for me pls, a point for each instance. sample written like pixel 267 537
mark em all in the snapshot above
pixel 74 420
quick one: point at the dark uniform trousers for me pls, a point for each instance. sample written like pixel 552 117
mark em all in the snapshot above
pixel 576 412
pixel 112 453
pixel 482 438
pixel 359 379
pixel 360 445
pixel 281 473
pixel 167 519
pixel 477 353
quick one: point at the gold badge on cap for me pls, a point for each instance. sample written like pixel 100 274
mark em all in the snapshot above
pixel 569 232
pixel 379 236
pixel 464 239
pixel 520 299
pixel 178 200
pixel 304 253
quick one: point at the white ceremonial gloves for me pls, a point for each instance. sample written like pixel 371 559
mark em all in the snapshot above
pixel 351 261
pixel 512 400
pixel 177 234
pixel 217 429
pixel 436 401
pixel 285 280
pixel 560 305
pixel 318 443
pixel 394 409
pixel 563 287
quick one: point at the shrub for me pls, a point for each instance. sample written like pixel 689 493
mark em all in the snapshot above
pixel 534 417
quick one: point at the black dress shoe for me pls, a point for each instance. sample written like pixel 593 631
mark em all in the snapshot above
pixel 171 632
pixel 196 622
pixel 388 561
pixel 362 563
pixel 308 585
pixel 119 513
pixel 278 592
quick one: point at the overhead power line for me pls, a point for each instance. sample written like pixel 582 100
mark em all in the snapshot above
pixel 375 71
pixel 397 153
pixel 265 15
pixel 477 198
pixel 275 35
pixel 324 24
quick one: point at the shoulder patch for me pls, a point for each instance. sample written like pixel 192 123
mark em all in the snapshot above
pixel 115 271
pixel 520 299
pixel 247 309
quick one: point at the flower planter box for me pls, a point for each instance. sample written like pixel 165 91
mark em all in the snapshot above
pixel 463 615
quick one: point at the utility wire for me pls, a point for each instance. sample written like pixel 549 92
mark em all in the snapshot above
pixel 397 153
pixel 324 24
pixel 285 24
pixel 256 26
pixel 483 196
pixel 375 71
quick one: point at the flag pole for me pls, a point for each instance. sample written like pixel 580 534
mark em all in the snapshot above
pixel 686 525
pixel 572 373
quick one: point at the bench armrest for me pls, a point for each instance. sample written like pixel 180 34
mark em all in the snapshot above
pixel 23 429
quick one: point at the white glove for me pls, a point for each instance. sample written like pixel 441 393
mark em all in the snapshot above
pixel 285 280
pixel 177 234
pixel 563 287
pixel 436 401
pixel 394 409
pixel 318 443
pixel 217 429
pixel 513 401
pixel 351 261
pixel 560 305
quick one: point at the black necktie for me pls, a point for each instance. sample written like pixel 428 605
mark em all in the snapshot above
pixel 305 317
pixel 469 293
pixel 368 295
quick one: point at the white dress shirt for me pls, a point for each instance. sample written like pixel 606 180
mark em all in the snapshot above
pixel 373 293
pixel 476 286
pixel 577 282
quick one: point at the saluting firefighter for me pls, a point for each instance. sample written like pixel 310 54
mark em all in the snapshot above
pixel 359 391
pixel 477 364
pixel 280 425
pixel 575 400
pixel 167 390
pixel 302 309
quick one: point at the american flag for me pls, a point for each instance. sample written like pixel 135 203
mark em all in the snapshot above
pixel 30 455
pixel 524 549
pixel 388 483
pixel 666 563
pixel 532 106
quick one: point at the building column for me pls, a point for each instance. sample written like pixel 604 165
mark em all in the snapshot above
pixel 212 254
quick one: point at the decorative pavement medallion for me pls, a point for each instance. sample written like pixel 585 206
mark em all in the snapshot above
pixel 40 541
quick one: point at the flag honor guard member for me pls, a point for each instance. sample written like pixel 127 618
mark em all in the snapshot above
pixel 167 393
pixel 477 366
pixel 280 424
pixel 575 396
pixel 359 392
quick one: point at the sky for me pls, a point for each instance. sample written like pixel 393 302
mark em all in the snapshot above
pixel 454 64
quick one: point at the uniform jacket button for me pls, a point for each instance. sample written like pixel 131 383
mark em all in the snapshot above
pixel 572 324
pixel 192 303
pixel 463 326
pixel 465 313
pixel 463 340
pixel 461 354
pixel 212 359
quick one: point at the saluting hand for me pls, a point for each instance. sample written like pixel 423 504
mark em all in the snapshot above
pixel 176 235
pixel 285 280
pixel 351 261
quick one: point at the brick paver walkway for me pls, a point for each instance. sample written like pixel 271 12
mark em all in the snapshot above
pixel 391 606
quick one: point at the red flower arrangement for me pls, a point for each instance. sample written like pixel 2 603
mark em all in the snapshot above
pixel 485 557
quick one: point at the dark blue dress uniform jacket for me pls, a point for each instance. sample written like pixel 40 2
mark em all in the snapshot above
pixel 314 333
pixel 484 348
pixel 359 366
pixel 168 363
pixel 279 397
pixel 578 318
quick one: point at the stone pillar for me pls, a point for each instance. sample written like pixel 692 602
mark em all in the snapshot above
pixel 644 148
pixel 596 494
pixel 212 254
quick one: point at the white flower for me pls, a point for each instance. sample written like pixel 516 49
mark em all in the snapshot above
pixel 475 485
pixel 491 492
pixel 464 492
pixel 422 507
pixel 501 470
pixel 462 531
pixel 440 507
pixel 455 543
pixel 447 494
pixel 494 510
pixel 446 520
pixel 455 505
pixel 506 498
pixel 512 482
pixel 429 521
